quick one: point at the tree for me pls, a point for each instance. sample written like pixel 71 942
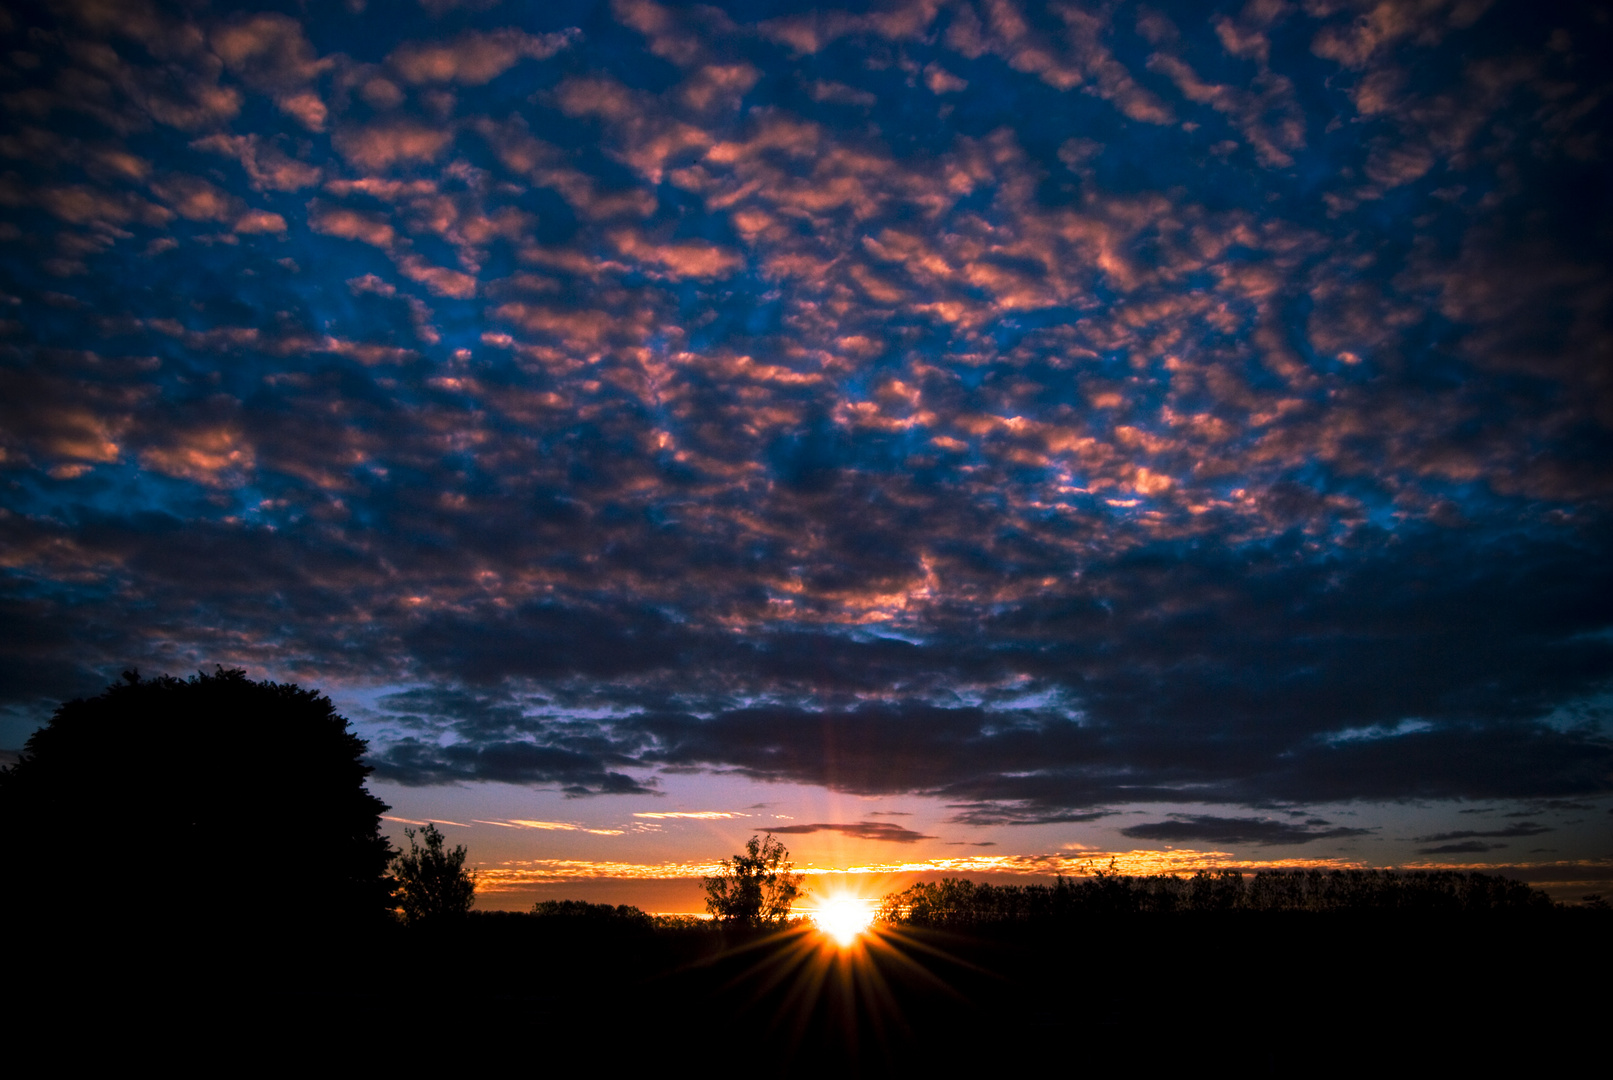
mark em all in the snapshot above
pixel 433 884
pixel 153 800
pixel 754 888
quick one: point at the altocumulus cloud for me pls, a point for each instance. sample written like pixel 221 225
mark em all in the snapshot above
pixel 1040 407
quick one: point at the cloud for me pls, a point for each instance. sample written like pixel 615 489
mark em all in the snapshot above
pixel 1526 829
pixel 1022 813
pixel 438 279
pixel 840 94
pixel 942 81
pixel 810 32
pixel 723 400
pixel 270 53
pixel 197 200
pixel 669 32
pixel 688 259
pixel 693 815
pixel 1467 847
pixel 1355 39
pixel 1207 828
pixel 415 763
pixel 350 224
pixel 269 167
pixel 862 830
pixel 1265 113
pixel 553 826
pixel 260 221
pixel 371 283
pixel 379 147
pixel 216 457
pixel 474 57
pixel 1111 79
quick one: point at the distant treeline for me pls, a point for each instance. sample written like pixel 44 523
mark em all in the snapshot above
pixel 953 903
pixel 581 914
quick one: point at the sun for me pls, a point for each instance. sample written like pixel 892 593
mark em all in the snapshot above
pixel 844 918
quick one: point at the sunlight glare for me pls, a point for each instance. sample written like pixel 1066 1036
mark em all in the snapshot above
pixel 843 918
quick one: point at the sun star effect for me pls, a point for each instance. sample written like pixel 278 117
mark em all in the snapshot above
pixel 844 918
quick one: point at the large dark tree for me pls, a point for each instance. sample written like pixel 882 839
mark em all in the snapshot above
pixel 195 802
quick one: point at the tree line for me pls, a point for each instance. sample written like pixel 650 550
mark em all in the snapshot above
pixel 953 903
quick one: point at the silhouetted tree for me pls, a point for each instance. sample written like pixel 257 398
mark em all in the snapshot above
pixel 756 887
pixel 433 884
pixel 182 800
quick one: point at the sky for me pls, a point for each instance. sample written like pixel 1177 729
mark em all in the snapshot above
pixel 958 436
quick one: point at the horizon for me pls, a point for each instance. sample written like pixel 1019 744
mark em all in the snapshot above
pixel 959 438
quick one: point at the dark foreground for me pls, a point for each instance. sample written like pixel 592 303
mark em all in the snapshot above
pixel 1264 993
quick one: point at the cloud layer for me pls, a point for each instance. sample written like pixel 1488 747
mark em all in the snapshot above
pixel 1041 408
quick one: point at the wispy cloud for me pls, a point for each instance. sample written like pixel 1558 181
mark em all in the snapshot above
pixel 695 815
pixel 860 830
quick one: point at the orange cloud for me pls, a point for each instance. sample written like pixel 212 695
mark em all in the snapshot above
pixel 267 166
pixel 811 32
pixel 644 136
pixel 215 457
pixel 260 221
pixel 381 146
pixel 350 224
pixel 440 280
pixel 546 166
pixel 679 259
pixel 474 57
pixel 719 84
pixel 270 54
pixel 196 199
pixel 81 204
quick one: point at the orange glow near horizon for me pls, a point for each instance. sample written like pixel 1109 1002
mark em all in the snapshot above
pixel 514 874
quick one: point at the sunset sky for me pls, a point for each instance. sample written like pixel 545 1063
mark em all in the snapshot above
pixel 990 437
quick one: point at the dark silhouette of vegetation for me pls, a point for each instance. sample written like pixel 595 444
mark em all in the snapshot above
pixel 955 904
pixel 583 911
pixel 432 882
pixel 142 804
pixel 755 888
pixel 1276 957
pixel 577 980
pixel 156 785
pixel 141 900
